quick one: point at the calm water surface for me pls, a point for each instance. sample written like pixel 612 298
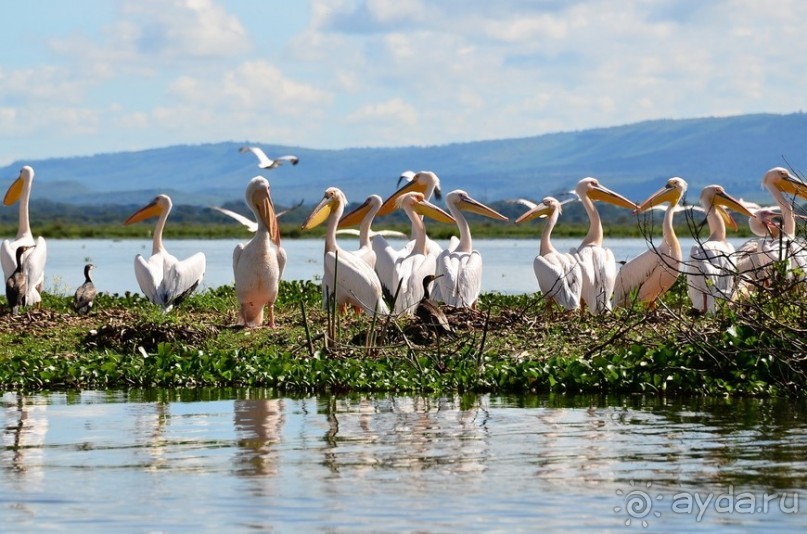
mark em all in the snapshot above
pixel 235 461
pixel 508 262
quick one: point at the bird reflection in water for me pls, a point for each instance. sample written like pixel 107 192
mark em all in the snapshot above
pixel 258 424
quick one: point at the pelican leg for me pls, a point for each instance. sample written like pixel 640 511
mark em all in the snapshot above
pixel 272 316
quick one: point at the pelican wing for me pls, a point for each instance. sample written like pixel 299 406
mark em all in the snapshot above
pixel 559 278
pixel 7 258
pixel 652 273
pixel 710 274
pixel 281 258
pixel 237 251
pixel 385 257
pixel 598 267
pixel 181 277
pixel 460 278
pixel 149 275
pixel 250 225
pixel 356 283
pixel 410 272
pixel 33 262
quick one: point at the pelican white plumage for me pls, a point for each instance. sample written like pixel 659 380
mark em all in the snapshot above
pixel 36 253
pixel 259 263
pixel 711 269
pixel 356 284
pixel 597 263
pixel 779 181
pixel 459 271
pixel 425 182
pixel 265 162
pixel 412 265
pixel 755 257
pixel 559 275
pixel 653 272
pixel 164 280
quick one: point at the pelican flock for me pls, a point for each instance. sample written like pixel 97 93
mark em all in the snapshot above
pixel 585 278
pixel 165 280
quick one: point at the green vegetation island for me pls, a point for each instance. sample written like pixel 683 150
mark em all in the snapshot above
pixel 509 344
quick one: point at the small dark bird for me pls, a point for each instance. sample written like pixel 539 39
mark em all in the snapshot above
pixel 430 313
pixel 17 284
pixel 85 294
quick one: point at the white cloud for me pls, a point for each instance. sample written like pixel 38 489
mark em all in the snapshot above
pixel 394 112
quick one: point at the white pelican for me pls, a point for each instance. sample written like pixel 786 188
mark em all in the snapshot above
pixel 86 292
pixel 164 280
pixel 258 264
pixel 16 283
pixel 459 270
pixel 264 161
pixel 653 272
pixel 597 263
pixel 710 269
pixel 412 265
pixel 779 181
pixel 755 256
pixel 357 284
pixel 559 275
pixel 425 182
pixel 36 253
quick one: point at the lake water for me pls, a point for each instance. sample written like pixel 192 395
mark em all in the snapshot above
pixel 508 262
pixel 237 461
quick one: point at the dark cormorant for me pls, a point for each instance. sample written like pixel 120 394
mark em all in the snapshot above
pixel 17 283
pixel 430 313
pixel 85 294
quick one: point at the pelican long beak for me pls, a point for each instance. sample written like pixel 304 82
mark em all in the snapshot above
pixel 14 192
pixel 792 185
pixel 541 210
pixel 152 209
pixel 262 201
pixel 665 194
pixel 727 218
pixel 727 201
pixel 356 216
pixel 469 204
pixel 424 207
pixel 320 214
pixel 389 205
pixel 604 194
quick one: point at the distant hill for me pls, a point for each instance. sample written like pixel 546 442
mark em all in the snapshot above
pixel 634 159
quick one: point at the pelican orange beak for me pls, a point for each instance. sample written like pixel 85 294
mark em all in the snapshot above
pixel 389 205
pixel 469 204
pixel 424 207
pixel 599 192
pixel 722 198
pixel 665 194
pixel 152 209
pixel 320 213
pixel 14 192
pixel 262 201
pixel 541 210
pixel 356 216
pixel 794 186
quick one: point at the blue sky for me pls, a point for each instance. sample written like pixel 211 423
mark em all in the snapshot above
pixel 94 76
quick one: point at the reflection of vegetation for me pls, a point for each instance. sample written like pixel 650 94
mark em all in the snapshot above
pixel 510 345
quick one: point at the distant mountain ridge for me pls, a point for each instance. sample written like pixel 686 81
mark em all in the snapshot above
pixel 633 159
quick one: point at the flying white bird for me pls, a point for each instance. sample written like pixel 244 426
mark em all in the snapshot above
pixel 264 161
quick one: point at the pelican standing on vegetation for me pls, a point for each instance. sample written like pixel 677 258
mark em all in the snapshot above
pixel 356 284
pixel 710 269
pixel 264 161
pixel 779 181
pixel 86 292
pixel 459 270
pixel 653 272
pixel 16 283
pixel 258 264
pixel 412 265
pixel 596 262
pixel 559 275
pixel 165 280
pixel 36 251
